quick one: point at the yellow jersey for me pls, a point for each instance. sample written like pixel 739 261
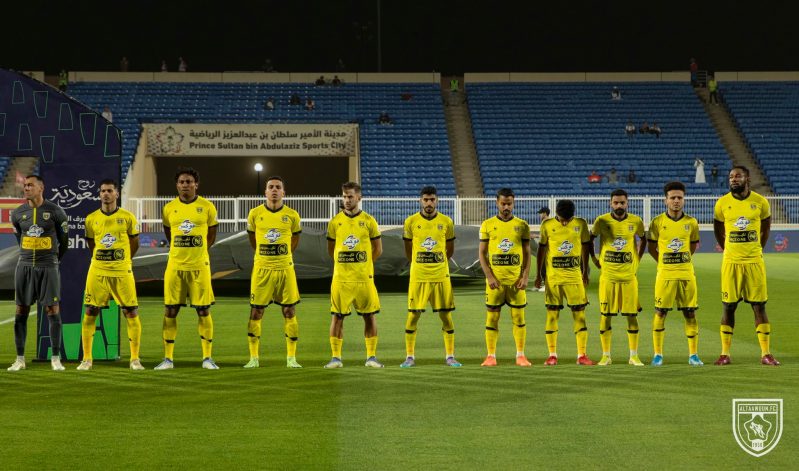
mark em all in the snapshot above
pixel 741 218
pixel 618 253
pixel 189 222
pixel 273 232
pixel 674 238
pixel 429 237
pixel 564 249
pixel 353 236
pixel 505 251
pixel 111 234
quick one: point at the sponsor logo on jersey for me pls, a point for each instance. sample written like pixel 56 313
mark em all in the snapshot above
pixel 566 247
pixel 351 242
pixel 505 245
pixel 675 245
pixel 742 223
pixel 619 243
pixel 429 244
pixel 108 240
pixel 186 226
pixel 46 216
pixel 34 231
pixel 272 235
pixel 285 219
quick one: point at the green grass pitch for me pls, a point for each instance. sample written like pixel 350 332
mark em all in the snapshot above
pixel 429 417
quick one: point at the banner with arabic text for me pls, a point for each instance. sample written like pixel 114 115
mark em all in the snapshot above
pixel 333 140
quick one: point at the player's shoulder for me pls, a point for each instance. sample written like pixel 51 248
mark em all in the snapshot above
pixel 291 212
pixel 125 213
pixel 757 197
pixel 200 201
pixel 368 217
pixel 603 218
pixel 51 206
pixel 411 218
pixel 445 218
pixel 521 221
pixel 579 221
pixel 659 218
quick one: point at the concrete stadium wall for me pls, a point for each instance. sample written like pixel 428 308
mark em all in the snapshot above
pixel 673 76
pixel 252 77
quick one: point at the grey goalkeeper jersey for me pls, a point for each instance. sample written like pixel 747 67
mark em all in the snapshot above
pixel 40 232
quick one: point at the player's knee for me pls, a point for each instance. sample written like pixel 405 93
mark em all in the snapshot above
pixel 288 312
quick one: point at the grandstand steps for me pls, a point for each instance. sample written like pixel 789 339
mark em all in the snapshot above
pixel 23 165
pixel 463 153
pixel 733 141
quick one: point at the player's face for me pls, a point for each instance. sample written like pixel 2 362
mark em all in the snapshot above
pixel 429 204
pixel 108 194
pixel 618 204
pixel 275 191
pixel 739 181
pixel 33 189
pixel 675 200
pixel 542 216
pixel 350 199
pixel 187 186
pixel 505 206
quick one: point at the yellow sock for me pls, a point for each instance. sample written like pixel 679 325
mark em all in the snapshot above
pixel 448 328
pixel 763 334
pixel 519 328
pixel 205 326
pixel 335 347
pixel 87 328
pixel 134 336
pixel 170 333
pixel 580 332
pixel 632 334
pixel 371 346
pixel 658 333
pixel 726 339
pixel 492 332
pixel 292 331
pixel 410 332
pixel 692 333
pixel 605 333
pixel 254 337
pixel 551 331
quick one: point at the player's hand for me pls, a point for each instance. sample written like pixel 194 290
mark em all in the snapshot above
pixel 493 283
pixel 537 283
pixel 521 283
pixel 586 278
pixel 596 262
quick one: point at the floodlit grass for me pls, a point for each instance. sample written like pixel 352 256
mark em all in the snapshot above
pixel 429 417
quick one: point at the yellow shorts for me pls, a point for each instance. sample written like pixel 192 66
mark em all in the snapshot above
pixel 359 294
pixel 505 294
pixel 573 293
pixel 679 292
pixel 618 297
pixel 744 281
pixel 278 286
pixel 438 293
pixel 101 288
pixel 188 287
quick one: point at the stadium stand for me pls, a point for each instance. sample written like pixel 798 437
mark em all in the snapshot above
pixel 5 163
pixel 546 138
pixel 396 160
pixel 766 114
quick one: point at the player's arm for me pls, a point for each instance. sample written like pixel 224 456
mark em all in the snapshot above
pixel 450 248
pixel 524 276
pixel 591 252
pixel 134 244
pixel 91 244
pixel 17 231
pixel 641 247
pixel 295 241
pixel 168 234
pixel 693 246
pixel 652 248
pixel 62 234
pixel 331 248
pixel 588 248
pixel 211 237
pixel 253 244
pixel 493 283
pixel 765 231
pixel 719 232
pixel 377 248
pixel 540 259
pixel 408 244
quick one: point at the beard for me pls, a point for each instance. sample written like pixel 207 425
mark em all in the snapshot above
pixel 737 189
pixel 619 212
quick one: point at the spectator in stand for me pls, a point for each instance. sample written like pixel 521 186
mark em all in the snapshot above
pixel 269 104
pixel 694 68
pixel 630 129
pixel 613 177
pixel 384 118
pixel 615 94
pixel 713 87
pixel 644 129
pixel 183 66
pixel 310 105
pixel 699 165
pixel 632 177
pixel 320 81
pixel 108 115
pixel 336 81
pixel 655 129
pixel 123 64
pixel 714 176
pixel 295 99
pixel 594 177
pixel 267 65
pixel 63 80
pixel 164 67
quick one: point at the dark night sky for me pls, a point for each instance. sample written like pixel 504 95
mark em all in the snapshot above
pixel 451 37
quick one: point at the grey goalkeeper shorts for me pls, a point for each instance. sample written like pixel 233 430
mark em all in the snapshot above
pixel 40 285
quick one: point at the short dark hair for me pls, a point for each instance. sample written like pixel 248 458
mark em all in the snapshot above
pixel 544 210
pixel 110 181
pixel 428 190
pixel 187 171
pixel 505 192
pixel 745 170
pixel 37 177
pixel 351 186
pixel 673 186
pixel 275 177
pixel 565 209
pixel 618 192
